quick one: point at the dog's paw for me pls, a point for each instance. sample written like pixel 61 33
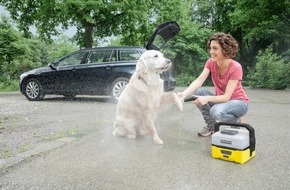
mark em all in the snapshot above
pixel 143 133
pixel 157 141
pixel 115 133
pixel 118 132
pixel 131 136
pixel 178 102
pixel 180 96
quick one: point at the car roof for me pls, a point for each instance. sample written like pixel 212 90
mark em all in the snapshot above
pixel 114 47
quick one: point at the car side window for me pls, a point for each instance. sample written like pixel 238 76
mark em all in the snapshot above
pixel 74 59
pixel 102 56
pixel 129 55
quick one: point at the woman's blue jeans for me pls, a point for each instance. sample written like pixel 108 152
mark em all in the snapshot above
pixel 221 112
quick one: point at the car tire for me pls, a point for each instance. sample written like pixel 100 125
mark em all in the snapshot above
pixel 118 86
pixel 33 90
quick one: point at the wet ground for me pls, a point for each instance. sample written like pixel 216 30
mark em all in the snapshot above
pixel 84 154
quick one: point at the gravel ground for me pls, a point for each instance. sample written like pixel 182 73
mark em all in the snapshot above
pixel 97 160
pixel 30 128
pixel 26 126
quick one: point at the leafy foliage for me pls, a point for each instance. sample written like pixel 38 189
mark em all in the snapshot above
pixel 14 49
pixel 271 72
pixel 184 79
pixel 19 54
pixel 59 48
pixel 257 25
pixel 92 18
pixel 188 50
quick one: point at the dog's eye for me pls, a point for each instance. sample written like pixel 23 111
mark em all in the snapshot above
pixel 156 56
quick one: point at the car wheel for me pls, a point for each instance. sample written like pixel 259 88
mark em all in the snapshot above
pixel 118 86
pixel 33 90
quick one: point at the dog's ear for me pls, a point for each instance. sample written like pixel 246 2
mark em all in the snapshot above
pixel 141 66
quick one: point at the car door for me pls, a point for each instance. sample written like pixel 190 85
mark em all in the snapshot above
pixel 94 74
pixel 66 73
pixel 163 33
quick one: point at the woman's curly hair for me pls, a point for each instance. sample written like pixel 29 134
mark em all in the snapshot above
pixel 229 45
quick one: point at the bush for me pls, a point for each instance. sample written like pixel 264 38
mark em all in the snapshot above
pixel 184 79
pixel 270 72
pixel 9 86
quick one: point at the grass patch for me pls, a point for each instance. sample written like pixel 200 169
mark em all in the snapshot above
pixel 4 151
pixel 62 134
pixel 24 148
pixel 11 122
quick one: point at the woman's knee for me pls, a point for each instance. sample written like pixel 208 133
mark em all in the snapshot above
pixel 217 113
pixel 221 115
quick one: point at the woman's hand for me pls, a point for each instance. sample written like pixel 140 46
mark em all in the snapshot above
pixel 201 100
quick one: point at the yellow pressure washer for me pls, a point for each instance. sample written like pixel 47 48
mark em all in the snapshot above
pixel 235 143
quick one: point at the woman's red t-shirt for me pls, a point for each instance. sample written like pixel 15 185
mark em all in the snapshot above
pixel 234 72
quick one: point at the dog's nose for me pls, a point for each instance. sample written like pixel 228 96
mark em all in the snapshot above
pixel 168 61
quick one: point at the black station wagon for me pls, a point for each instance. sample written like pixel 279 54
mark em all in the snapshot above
pixel 96 71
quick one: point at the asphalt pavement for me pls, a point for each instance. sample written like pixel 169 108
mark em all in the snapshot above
pixel 102 161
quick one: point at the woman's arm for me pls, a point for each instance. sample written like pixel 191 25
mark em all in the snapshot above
pixel 197 83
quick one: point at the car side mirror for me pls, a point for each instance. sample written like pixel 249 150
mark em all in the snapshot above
pixel 51 65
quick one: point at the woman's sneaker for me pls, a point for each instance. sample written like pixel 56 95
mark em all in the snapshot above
pixel 206 131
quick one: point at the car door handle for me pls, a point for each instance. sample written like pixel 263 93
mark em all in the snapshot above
pixel 73 69
pixel 108 67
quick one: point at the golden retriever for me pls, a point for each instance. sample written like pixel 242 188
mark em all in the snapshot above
pixel 144 95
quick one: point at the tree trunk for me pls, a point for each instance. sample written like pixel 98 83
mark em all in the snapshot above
pixel 88 36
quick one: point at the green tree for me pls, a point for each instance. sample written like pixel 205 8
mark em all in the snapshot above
pixel 19 54
pixel 57 49
pixel 188 50
pixel 263 23
pixel 13 48
pixel 255 24
pixel 92 18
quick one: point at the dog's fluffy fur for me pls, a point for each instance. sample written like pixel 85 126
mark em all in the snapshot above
pixel 140 101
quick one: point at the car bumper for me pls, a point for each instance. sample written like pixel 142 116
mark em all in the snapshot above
pixel 169 85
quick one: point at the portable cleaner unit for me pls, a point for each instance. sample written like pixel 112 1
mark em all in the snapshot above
pixel 236 142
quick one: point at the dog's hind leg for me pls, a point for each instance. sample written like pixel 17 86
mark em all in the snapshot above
pixel 122 132
pixel 118 131
pixel 124 129
pixel 142 132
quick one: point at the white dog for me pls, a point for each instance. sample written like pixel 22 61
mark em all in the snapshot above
pixel 141 99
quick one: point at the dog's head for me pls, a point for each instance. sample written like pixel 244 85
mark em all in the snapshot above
pixel 152 61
